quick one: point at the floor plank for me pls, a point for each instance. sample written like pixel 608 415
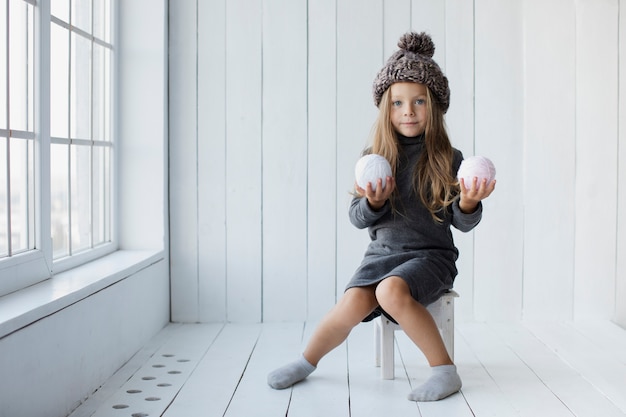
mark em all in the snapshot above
pixel 418 371
pixel 209 389
pixel 480 390
pixel 522 387
pixel 607 337
pixel 253 396
pixel 325 392
pixel 603 371
pixel 370 395
pixel 508 369
pixel 567 384
pixel 125 373
pixel 156 383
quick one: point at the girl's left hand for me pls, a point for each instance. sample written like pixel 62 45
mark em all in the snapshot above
pixel 376 199
pixel 477 192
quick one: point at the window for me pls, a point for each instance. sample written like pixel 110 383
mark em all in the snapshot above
pixel 56 136
pixel 80 125
pixel 17 132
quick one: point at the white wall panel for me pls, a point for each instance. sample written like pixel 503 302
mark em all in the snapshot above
pixel 459 58
pixel 142 95
pixel 50 366
pixel 430 16
pixel 396 21
pixel 243 159
pixel 284 159
pixel 322 158
pixel 359 58
pixel 183 162
pixel 549 158
pixel 499 127
pixel 596 157
pixel 211 155
pixel 620 296
pixel 270 107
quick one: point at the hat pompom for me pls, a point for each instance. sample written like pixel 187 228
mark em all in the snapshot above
pixel 418 43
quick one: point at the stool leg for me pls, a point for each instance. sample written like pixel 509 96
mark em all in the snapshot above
pixel 388 366
pixel 442 311
pixel 447 325
pixel 377 337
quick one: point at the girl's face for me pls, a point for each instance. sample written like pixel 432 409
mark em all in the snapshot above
pixel 408 108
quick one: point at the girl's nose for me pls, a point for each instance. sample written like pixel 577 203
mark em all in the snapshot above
pixel 408 111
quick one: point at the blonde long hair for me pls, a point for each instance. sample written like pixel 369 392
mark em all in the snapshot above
pixel 433 180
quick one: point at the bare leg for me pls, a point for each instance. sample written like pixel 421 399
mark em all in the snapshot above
pixel 395 298
pixel 352 308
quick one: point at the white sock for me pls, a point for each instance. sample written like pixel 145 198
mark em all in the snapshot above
pixel 289 374
pixel 443 382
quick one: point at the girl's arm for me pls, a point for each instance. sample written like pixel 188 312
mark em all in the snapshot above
pixel 467 210
pixel 377 199
pixel 475 194
pixel 368 206
pixel 470 198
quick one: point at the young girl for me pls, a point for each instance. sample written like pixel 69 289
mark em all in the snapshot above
pixel 410 261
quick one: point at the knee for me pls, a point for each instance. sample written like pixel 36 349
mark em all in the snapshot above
pixel 356 304
pixel 392 294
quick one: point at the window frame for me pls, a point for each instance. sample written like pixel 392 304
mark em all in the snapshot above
pixel 24 269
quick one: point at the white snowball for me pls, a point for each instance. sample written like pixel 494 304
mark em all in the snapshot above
pixel 476 166
pixel 370 168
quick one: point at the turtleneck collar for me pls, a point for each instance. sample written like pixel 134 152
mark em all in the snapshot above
pixel 404 140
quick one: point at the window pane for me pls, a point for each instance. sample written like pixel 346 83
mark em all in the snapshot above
pixel 22 193
pixel 30 122
pixel 3 66
pixel 60 9
pixel 102 20
pixel 107 107
pixel 80 174
pixel 59 85
pixel 4 237
pixel 21 32
pixel 101 93
pixel 80 113
pixel 59 193
pixel 81 14
pixel 101 195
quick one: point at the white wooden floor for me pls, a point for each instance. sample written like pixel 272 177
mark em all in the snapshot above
pixel 521 369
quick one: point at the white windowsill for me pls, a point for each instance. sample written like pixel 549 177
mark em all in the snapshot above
pixel 26 306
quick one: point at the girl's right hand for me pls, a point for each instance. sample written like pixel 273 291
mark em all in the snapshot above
pixel 376 199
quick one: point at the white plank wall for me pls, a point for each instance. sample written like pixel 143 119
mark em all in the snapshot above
pixel 244 153
pixel 596 157
pixel 284 158
pixel 359 57
pixel 498 128
pixel 322 158
pixel 550 135
pixel 620 293
pixel 183 157
pixel 270 107
pixel 459 58
pixel 211 154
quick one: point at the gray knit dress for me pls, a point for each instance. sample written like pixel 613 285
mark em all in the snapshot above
pixel 408 242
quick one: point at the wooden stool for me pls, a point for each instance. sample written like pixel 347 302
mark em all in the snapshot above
pixel 442 311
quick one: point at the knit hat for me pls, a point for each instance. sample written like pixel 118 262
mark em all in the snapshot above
pixel 414 63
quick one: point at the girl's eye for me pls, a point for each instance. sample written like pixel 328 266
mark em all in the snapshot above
pixel 397 103
pixel 420 101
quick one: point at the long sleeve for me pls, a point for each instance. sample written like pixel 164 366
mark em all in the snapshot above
pixel 362 215
pixel 465 221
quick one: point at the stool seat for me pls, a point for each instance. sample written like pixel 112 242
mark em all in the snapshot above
pixel 442 311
